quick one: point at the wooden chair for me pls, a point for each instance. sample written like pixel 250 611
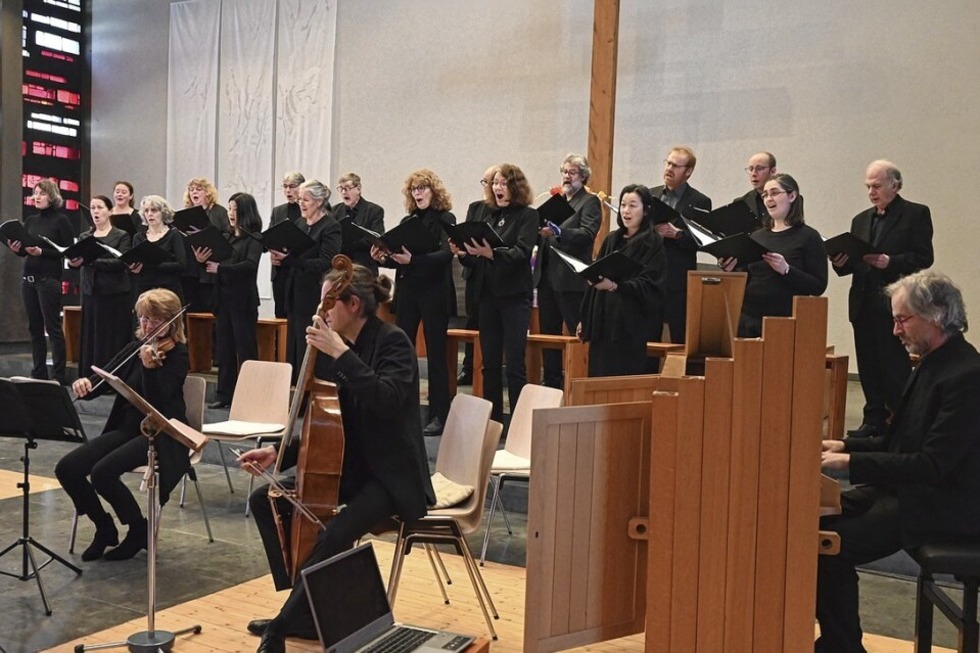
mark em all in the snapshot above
pixel 513 462
pixel 464 457
pixel 259 411
pixel 963 563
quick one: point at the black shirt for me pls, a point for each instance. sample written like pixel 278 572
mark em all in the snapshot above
pixel 52 223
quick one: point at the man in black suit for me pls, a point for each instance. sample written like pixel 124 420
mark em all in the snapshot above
pixel 385 468
pixel 362 213
pixel 900 234
pixel 286 211
pixel 680 246
pixel 561 290
pixel 761 168
pixel 918 481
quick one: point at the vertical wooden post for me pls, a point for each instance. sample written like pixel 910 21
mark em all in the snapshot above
pixel 602 101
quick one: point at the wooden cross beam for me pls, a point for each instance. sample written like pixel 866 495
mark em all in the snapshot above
pixel 602 101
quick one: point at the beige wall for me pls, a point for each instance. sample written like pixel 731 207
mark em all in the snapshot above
pixel 454 85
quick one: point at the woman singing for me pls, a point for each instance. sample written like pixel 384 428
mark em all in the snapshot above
pixel 94 469
pixel 123 197
pixel 236 296
pixel 502 283
pixel 41 285
pixel 385 470
pixel 106 301
pixel 198 285
pixel 158 214
pixel 614 313
pixel 795 262
pixel 424 285
pixel 306 269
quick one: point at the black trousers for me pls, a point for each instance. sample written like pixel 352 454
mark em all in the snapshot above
pixel 870 528
pixel 104 460
pixel 503 336
pixel 883 365
pixel 472 323
pixel 367 509
pixel 675 315
pixel 42 302
pixel 619 357
pixel 555 309
pixel 236 342
pixel 279 294
pixel 430 307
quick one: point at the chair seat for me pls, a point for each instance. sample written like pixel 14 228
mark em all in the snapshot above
pixel 960 560
pixel 230 429
pixel 505 461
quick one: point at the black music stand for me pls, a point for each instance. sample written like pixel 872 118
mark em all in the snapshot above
pixel 151 640
pixel 36 410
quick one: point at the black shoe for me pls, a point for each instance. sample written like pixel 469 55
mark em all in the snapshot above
pixel 434 428
pixel 219 404
pixel 271 643
pixel 465 378
pixel 106 535
pixel 258 626
pixel 133 543
pixel 863 431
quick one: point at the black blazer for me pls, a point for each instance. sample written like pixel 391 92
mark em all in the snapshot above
pixel 281 213
pixel 307 268
pixel 906 236
pixel 378 381
pixel 166 275
pixel 618 315
pixel 364 214
pixel 509 272
pixel 682 252
pixel 753 200
pixel 107 275
pixel 236 282
pixel 578 234
pixel 930 456
pixel 428 273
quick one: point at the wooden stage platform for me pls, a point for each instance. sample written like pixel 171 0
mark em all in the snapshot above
pixel 223 615
pixel 9 481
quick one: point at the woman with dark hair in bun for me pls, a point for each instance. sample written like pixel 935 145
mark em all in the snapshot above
pixel 615 314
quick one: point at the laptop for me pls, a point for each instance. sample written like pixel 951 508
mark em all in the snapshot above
pixel 352 614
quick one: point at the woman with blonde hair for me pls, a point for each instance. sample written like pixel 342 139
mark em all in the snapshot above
pixel 197 284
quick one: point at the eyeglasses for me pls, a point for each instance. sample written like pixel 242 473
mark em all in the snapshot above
pixel 499 183
pixel 774 193
pixel 419 189
pixel 673 166
pixel 752 169
pixel 345 189
pixel 289 186
pixel 900 320
pixel 484 182
pixel 571 172
pixel 150 321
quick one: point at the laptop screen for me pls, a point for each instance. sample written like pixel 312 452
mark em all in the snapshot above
pixel 347 594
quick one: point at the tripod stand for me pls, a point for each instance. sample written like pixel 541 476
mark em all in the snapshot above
pixel 151 640
pixel 53 419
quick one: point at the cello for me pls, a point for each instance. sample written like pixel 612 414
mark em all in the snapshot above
pixel 321 448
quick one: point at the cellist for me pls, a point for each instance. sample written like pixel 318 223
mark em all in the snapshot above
pixel 385 468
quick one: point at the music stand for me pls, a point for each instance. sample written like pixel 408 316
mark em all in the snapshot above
pixel 36 410
pixel 151 640
pixel 714 305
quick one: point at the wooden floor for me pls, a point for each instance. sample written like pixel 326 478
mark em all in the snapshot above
pixel 9 481
pixel 223 615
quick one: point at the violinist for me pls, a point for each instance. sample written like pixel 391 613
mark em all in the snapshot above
pixel 155 365
pixel 385 469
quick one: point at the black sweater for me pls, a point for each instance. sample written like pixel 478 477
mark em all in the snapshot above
pixel 54 224
pixel 771 293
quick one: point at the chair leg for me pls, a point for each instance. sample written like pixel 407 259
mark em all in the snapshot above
pixel 433 555
pixel 183 490
pixel 923 616
pixel 500 504
pixel 970 634
pixel 479 587
pixel 224 465
pixel 494 497
pixel 396 566
pixel 74 532
pixel 200 501
pixel 442 566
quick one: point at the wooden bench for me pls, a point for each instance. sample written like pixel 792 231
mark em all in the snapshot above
pixel 71 325
pixel 270 333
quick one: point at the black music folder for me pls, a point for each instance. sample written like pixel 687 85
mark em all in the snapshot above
pixel 556 210
pixel 740 246
pixel 615 267
pixel 663 212
pixel 88 249
pixel 354 233
pixel 192 219
pixel 124 222
pixel 847 243
pixel 412 234
pixel 14 230
pixel 731 219
pixel 210 237
pixel 478 231
pixel 150 255
pixel 285 237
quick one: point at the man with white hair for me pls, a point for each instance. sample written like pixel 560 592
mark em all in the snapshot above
pixel 917 482
pixel 900 235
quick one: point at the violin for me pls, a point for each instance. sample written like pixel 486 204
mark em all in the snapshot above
pixel 154 353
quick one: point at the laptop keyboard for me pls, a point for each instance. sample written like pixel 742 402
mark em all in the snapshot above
pixel 403 640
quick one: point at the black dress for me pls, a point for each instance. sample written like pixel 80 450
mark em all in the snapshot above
pixel 107 307
pixel 614 322
pixel 167 275
pixel 237 312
